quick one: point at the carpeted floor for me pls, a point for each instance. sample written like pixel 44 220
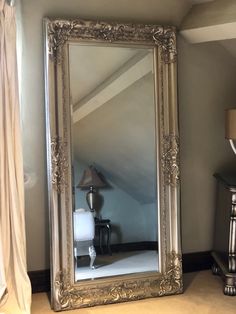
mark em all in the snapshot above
pixel 202 295
pixel 117 264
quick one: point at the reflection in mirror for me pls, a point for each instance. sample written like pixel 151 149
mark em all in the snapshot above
pixel 114 160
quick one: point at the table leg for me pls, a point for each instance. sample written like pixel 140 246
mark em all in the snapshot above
pixel 108 238
pixel 100 240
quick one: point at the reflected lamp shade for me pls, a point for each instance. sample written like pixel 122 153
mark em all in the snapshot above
pixel 230 124
pixel 91 180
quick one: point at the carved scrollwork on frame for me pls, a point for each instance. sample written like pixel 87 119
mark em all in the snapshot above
pixel 170 159
pixel 166 39
pixel 59 31
pixel 70 297
pixel 59 163
pixel 172 279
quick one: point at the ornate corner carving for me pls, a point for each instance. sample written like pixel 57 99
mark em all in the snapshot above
pixel 63 290
pixel 172 279
pixel 69 296
pixel 59 163
pixel 170 159
pixel 165 38
pixel 59 31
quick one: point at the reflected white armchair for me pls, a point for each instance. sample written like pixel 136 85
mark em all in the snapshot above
pixel 84 231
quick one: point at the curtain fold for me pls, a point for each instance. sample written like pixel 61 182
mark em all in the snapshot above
pixel 14 281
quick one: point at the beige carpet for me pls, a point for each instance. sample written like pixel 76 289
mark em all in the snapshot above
pixel 203 295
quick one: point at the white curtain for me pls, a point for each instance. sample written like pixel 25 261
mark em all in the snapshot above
pixel 15 288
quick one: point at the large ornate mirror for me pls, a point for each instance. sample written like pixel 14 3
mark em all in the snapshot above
pixel 113 162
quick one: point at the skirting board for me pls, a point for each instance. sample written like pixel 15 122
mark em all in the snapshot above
pixel 197 261
pixel 40 280
pixel 127 247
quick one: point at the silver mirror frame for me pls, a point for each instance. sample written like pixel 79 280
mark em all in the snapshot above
pixel 65 293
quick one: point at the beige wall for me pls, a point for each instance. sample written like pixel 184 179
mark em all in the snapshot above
pixel 206 79
pixel 207 83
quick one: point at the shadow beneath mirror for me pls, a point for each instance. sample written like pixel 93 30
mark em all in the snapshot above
pixel 188 279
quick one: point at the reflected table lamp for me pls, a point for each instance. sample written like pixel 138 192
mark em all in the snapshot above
pixel 91 180
pixel 230 127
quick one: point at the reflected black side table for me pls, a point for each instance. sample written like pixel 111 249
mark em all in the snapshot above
pixel 103 228
pixel 224 247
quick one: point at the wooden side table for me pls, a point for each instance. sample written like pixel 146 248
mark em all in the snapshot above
pixel 103 227
pixel 224 247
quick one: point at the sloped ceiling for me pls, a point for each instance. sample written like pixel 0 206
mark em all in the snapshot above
pixel 97 65
pixel 213 21
pixel 119 138
pixel 119 135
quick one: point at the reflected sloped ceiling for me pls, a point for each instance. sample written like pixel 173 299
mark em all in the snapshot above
pixel 119 137
pixel 114 115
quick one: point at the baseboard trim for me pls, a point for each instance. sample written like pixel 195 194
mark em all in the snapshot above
pixel 197 261
pixel 130 246
pixel 40 279
pixel 134 246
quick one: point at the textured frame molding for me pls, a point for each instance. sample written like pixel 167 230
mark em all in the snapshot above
pixel 59 163
pixel 170 159
pixel 60 31
pixel 121 290
pixel 66 294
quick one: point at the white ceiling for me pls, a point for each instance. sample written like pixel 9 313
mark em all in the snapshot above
pixel 140 11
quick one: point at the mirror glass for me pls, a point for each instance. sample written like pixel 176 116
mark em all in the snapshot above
pixel 114 160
